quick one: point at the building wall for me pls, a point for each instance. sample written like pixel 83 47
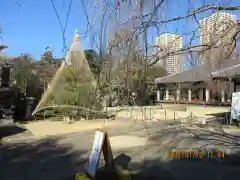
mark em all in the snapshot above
pixel 217 29
pixel 168 44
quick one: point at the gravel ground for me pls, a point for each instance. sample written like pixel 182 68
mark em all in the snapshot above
pixel 59 157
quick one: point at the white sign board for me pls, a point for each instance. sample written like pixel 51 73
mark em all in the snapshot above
pixel 235 108
pixel 95 154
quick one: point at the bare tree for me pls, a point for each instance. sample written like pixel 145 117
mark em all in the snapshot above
pixel 116 26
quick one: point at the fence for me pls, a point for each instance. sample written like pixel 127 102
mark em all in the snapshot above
pixel 160 114
pixel 150 113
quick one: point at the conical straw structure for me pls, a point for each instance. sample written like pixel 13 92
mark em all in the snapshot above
pixel 74 60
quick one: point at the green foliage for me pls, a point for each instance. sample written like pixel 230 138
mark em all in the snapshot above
pixel 145 86
pixel 3 47
pixel 32 88
pixel 139 77
pixel 154 72
pixel 47 56
pixel 93 61
pixel 21 72
pixel 81 176
pixel 75 90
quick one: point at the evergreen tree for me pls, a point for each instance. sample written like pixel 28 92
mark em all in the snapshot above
pixel 47 56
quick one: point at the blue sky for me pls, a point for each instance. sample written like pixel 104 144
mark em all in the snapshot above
pixel 33 25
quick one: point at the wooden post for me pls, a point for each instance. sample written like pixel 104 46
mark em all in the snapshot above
pixel 174 114
pixel 165 113
pixel 200 94
pixel 131 112
pixel 150 113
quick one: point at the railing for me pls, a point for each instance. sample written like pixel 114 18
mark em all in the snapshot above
pixel 170 114
pixel 210 103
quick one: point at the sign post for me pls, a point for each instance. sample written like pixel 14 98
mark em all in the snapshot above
pixel 101 144
pixel 235 108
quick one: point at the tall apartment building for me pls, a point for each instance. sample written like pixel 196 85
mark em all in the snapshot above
pixel 169 43
pixel 217 31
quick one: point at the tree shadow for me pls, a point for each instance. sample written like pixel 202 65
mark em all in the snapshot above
pixel 8 130
pixel 187 139
pixel 39 160
pixel 221 117
pixel 176 169
pixel 48 159
pixel 179 168
pixel 122 160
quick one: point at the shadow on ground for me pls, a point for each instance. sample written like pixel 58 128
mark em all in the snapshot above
pixel 211 167
pixel 48 159
pixel 39 160
pixel 185 169
pixel 207 169
pixel 222 117
pixel 9 130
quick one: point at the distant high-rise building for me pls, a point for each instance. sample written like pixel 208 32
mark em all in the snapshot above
pixel 168 44
pixel 217 31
